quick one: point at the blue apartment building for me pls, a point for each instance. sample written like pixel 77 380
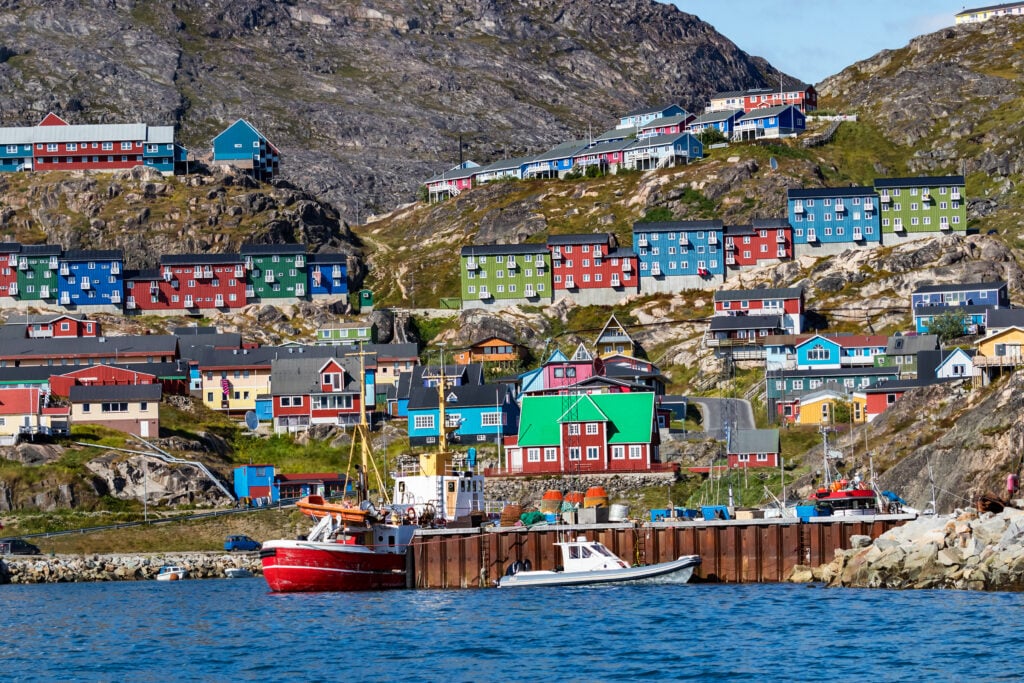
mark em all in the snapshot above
pixel 91 278
pixel 675 255
pixel 834 215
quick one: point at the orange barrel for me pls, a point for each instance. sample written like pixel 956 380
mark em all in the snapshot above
pixel 574 497
pixel 551 501
pixel 510 515
pixel 596 497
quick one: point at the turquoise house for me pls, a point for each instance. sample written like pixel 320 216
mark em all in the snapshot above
pixel 242 146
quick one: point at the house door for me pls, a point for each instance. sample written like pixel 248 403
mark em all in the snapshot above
pixel 517 460
pixel 144 429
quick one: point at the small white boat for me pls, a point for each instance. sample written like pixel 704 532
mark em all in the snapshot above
pixel 171 573
pixel 237 573
pixel 590 562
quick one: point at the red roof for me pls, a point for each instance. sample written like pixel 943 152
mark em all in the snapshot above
pixel 22 401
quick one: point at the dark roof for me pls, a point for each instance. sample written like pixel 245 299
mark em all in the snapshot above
pixel 468 395
pixel 659 140
pixel 758 294
pixel 495 249
pixel 738 230
pixel 300 374
pixel 923 181
pixel 770 223
pixel 328 258
pixel 651 110
pixel 744 441
pixel 904 344
pixel 194 330
pixel 614 145
pixel 105 347
pixel 959 287
pixel 621 252
pixel 144 274
pixel 940 309
pixel 677 226
pixel 37 318
pixel 562 150
pixel 580 238
pixel 834 372
pixel 903 384
pixel 765 112
pixel 272 249
pixel 10 247
pixel 220 340
pixel 824 192
pixel 32 373
pixel 986 8
pixel 198 259
pixel 120 392
pixel 725 323
pixel 716 116
pixel 666 120
pixel 41 250
pixel 93 255
pixel 1004 317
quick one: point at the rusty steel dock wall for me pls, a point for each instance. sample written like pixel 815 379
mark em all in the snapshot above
pixel 745 551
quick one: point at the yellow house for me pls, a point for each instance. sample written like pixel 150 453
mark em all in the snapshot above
pixel 614 340
pixel 859 407
pixel 132 408
pixel 980 14
pixel 231 379
pixel 819 407
pixel 999 351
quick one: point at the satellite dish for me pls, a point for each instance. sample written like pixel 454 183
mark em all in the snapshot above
pixel 251 421
pixel 773 163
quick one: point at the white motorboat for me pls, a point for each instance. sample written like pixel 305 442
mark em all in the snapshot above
pixel 237 573
pixel 590 562
pixel 171 573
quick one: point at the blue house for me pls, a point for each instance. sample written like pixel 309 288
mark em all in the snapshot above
pixel 644 115
pixel 675 255
pixel 256 481
pixel 724 121
pixel 848 350
pixel 973 317
pixel 473 414
pixel 242 146
pixel 660 151
pixel 328 274
pixel 834 215
pixel 792 384
pixel 15 149
pixel 161 151
pixel 554 163
pixel 91 278
pixel 770 122
pixel 502 169
pixel 992 294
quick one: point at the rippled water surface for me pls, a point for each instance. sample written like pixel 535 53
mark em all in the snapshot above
pixel 236 630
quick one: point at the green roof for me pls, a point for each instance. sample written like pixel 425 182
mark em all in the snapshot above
pixel 631 416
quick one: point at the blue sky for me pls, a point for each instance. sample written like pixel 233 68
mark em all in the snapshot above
pixel 813 39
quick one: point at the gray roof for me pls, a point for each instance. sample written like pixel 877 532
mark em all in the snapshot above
pixel 93 255
pixel 659 140
pixel 939 309
pixel 506 164
pixel 23 135
pixel 923 181
pixel 959 287
pixel 743 441
pixel 770 223
pixel 651 110
pixel 120 392
pixel 41 250
pixel 677 226
pixel 1000 318
pixel 866 371
pixel 291 375
pixel 727 323
pixel 665 121
pixel 823 192
pixel 716 116
pixel 758 294
pixel 272 249
pixel 606 147
pixel 467 169
pixel 42 318
pixel 765 112
pixel 466 396
pixel 504 249
pixel 199 259
pixel 561 151
pixel 193 330
pixel 84 347
pixel 617 134
pixel 911 344
pixel 210 357
pixel 603 238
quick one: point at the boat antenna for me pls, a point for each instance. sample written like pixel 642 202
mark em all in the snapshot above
pixel 361 433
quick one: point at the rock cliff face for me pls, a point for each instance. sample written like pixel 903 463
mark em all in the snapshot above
pixel 365 100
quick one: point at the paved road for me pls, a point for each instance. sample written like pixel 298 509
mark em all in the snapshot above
pixel 716 413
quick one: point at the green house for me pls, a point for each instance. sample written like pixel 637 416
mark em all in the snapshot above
pixel 275 271
pixel 337 334
pixel 37 272
pixel 916 205
pixel 505 274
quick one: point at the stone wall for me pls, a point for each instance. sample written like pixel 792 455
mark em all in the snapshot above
pixel 141 567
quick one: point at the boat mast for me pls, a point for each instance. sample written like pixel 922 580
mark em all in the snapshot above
pixel 362 433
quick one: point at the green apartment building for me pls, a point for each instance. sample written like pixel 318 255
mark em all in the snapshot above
pixel 338 334
pixel 497 275
pixel 276 271
pixel 37 272
pixel 919 205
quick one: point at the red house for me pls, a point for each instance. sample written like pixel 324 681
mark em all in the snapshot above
pixel 580 263
pixel 666 125
pixel 803 97
pixel 8 266
pixel 764 240
pixel 97 375
pixel 315 391
pixel 55 326
pixel 753 448
pixel 188 282
pixel 786 302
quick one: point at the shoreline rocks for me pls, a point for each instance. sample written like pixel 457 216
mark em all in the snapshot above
pixel 965 550
pixel 136 567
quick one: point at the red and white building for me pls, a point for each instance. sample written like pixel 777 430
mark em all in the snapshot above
pixel 57 326
pixel 787 303
pixel 315 391
pixel 592 269
pixel 753 448
pixel 767 239
pixel 98 375
pixel 188 282
pixel 803 97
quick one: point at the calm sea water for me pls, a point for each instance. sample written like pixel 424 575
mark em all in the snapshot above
pixel 224 630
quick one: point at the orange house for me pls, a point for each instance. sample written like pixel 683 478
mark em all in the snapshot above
pixel 494 350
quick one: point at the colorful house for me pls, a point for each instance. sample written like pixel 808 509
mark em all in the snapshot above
pixel 336 334
pixel 275 271
pixel 98 375
pixel 126 350
pixel 772 122
pixel 819 407
pixel 972 317
pixel 451 183
pixel 665 125
pixel 901 352
pixel 979 14
pixel 473 414
pixel 742 335
pixel 1000 352
pixel 56 325
pixel 753 448
pixel 595 433
pixel 495 351
pixel 505 274
pixel 786 302
pixel 766 239
pixel 37 273
pixel 614 340
pixel 131 408
pixel 838 351
pixel 644 115
pixel 911 206
pixel 231 379
pixel 803 97
pixel 591 268
pixel 992 294
pixel 676 255
pixel 956 363
pixel 256 481
pixel 661 151
pixel 315 391
pixel 25 411
pixel 502 169
pixel 724 121
pixel 845 216
pixel 91 278
pixel 786 385
pixel 607 156
pixel 241 146
pixel 9 267
pixel 194 282
pixel 328 275
pixel 555 162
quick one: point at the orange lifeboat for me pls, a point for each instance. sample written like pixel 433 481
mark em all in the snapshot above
pixel 316 507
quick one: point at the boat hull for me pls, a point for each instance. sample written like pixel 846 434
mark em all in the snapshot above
pixel 305 566
pixel 678 571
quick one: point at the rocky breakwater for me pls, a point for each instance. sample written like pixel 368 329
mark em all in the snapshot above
pixel 965 550
pixel 80 568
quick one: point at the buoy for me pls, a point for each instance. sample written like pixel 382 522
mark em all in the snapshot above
pixel 596 497
pixel 574 497
pixel 551 501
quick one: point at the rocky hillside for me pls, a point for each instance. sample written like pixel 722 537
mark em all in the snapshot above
pixel 365 100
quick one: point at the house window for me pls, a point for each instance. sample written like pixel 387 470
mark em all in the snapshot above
pixel 574 429
pixel 593 453
pixel 636 452
pixel 492 419
pixel 423 421
pixel 550 455
pixel 618 452
pixel 798 385
pixel 574 453
pixel 591 428
pixel 818 352
pixel 533 455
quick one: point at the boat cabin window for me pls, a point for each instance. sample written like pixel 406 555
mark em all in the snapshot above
pixel 574 553
pixel 604 551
